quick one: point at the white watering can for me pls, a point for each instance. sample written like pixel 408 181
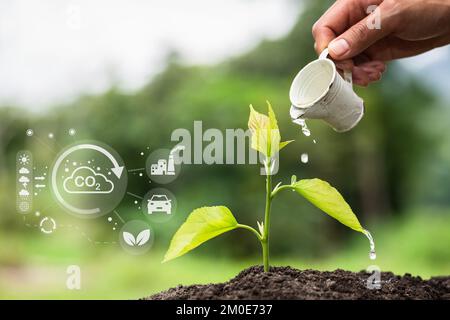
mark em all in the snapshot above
pixel 319 92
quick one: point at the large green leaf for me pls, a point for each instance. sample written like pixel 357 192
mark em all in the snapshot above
pixel 202 225
pixel 321 194
pixel 265 133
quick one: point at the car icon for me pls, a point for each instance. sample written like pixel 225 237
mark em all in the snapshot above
pixel 159 203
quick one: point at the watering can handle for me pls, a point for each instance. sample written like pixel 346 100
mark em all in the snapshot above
pixel 347 73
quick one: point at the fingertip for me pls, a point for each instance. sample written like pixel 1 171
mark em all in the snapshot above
pixel 373 66
pixel 339 48
pixel 376 76
pixel 360 77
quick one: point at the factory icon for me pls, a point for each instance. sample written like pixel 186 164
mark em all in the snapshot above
pixel 165 167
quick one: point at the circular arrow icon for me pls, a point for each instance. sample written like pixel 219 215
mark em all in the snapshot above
pixel 88 179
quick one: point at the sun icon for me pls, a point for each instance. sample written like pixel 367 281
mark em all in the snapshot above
pixel 24 159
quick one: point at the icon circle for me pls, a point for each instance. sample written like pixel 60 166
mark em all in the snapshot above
pixel 163 165
pixel 136 237
pixel 159 205
pixel 47 225
pixel 88 179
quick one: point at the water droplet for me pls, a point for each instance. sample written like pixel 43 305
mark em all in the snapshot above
pixel 372 253
pixel 304 157
pixel 302 123
pixel 314 140
pixel 306 131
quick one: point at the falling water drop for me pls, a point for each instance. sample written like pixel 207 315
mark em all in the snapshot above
pixel 306 131
pixel 314 140
pixel 304 158
pixel 372 253
pixel 302 124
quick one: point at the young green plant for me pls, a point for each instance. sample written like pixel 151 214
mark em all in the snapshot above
pixel 206 223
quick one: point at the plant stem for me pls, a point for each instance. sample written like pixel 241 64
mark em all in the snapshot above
pixel 244 226
pixel 283 187
pixel 265 236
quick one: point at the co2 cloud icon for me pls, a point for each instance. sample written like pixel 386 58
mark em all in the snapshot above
pixel 85 180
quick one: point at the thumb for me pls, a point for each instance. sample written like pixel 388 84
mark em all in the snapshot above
pixel 360 36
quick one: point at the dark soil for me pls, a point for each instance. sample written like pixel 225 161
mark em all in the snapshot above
pixel 288 283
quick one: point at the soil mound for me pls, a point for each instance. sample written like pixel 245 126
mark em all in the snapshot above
pixel 288 283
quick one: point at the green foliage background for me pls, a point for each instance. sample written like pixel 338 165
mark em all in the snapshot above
pixel 392 169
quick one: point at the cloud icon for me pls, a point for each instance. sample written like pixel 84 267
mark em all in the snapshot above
pixel 24 171
pixel 85 180
pixel 24 179
pixel 24 193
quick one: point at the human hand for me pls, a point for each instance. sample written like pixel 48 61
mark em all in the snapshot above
pixel 406 28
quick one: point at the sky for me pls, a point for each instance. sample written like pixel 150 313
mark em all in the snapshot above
pixel 51 51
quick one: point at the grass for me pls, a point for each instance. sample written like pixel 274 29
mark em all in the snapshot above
pixel 33 267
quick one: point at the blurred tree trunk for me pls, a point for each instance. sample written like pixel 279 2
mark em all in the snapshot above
pixel 371 177
pixel 5 137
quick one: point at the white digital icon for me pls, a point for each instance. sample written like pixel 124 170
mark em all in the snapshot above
pixel 84 180
pixel 24 193
pixel 24 159
pixel 47 225
pixel 24 181
pixel 141 239
pixel 88 179
pixel 23 206
pixel 165 167
pixel 159 203
pixel 24 171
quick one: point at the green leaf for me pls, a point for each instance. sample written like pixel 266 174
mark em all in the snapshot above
pixel 284 144
pixel 202 225
pixel 265 133
pixel 321 194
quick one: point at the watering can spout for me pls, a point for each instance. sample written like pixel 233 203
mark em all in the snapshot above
pixel 308 113
pixel 340 120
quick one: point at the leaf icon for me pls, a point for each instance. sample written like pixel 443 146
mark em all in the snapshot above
pixel 143 237
pixel 129 239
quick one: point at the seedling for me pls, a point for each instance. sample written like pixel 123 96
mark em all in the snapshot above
pixel 206 223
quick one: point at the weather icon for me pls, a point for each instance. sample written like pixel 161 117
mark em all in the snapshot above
pixel 24 171
pixel 24 180
pixel 24 159
pixel 24 193
pixel 84 180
